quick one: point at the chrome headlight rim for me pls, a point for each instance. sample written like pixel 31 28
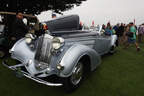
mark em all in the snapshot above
pixel 57 43
pixel 28 38
pixel 60 67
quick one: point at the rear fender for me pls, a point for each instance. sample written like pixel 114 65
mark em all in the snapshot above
pixel 113 40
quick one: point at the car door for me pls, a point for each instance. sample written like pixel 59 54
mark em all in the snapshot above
pixel 102 44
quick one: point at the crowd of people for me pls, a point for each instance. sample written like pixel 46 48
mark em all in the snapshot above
pixel 127 33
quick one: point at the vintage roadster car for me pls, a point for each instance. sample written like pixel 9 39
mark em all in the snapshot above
pixel 64 56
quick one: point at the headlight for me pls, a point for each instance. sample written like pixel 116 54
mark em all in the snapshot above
pixel 56 45
pixel 29 62
pixel 29 38
pixel 60 67
pixel 57 42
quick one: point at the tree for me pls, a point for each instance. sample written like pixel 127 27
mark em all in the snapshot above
pixel 37 6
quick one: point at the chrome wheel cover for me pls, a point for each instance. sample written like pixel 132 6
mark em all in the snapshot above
pixel 77 74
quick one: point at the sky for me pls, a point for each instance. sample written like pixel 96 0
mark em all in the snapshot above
pixel 103 11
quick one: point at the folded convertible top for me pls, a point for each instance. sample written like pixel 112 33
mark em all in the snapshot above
pixel 64 23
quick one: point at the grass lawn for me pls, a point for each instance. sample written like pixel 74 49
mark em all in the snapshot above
pixel 121 74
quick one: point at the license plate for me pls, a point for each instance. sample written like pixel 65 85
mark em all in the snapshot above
pixel 18 72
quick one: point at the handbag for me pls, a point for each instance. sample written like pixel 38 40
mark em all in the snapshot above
pixel 129 34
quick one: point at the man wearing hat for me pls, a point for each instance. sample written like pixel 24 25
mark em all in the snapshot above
pixel 53 15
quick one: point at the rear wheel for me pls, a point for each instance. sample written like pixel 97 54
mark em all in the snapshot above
pixel 112 50
pixel 73 82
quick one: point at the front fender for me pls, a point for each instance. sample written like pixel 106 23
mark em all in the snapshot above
pixel 21 51
pixel 74 54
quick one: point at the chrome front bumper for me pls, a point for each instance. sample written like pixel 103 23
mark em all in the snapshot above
pixel 26 74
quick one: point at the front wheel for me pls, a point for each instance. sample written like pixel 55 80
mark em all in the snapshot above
pixel 73 82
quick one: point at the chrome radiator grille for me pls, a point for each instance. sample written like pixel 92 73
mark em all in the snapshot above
pixel 43 52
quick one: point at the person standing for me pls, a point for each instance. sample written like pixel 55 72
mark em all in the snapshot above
pixel 125 37
pixel 116 28
pixel 120 34
pixel 53 16
pixel 140 33
pixel 132 39
pixel 19 29
pixel 108 30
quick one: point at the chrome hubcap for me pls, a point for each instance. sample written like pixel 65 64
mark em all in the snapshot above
pixel 77 74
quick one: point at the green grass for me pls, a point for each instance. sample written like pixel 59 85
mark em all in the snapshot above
pixel 121 74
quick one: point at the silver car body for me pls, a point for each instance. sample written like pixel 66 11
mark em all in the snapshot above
pixel 75 47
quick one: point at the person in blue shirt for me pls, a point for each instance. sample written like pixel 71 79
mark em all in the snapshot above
pixel 132 39
pixel 108 30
